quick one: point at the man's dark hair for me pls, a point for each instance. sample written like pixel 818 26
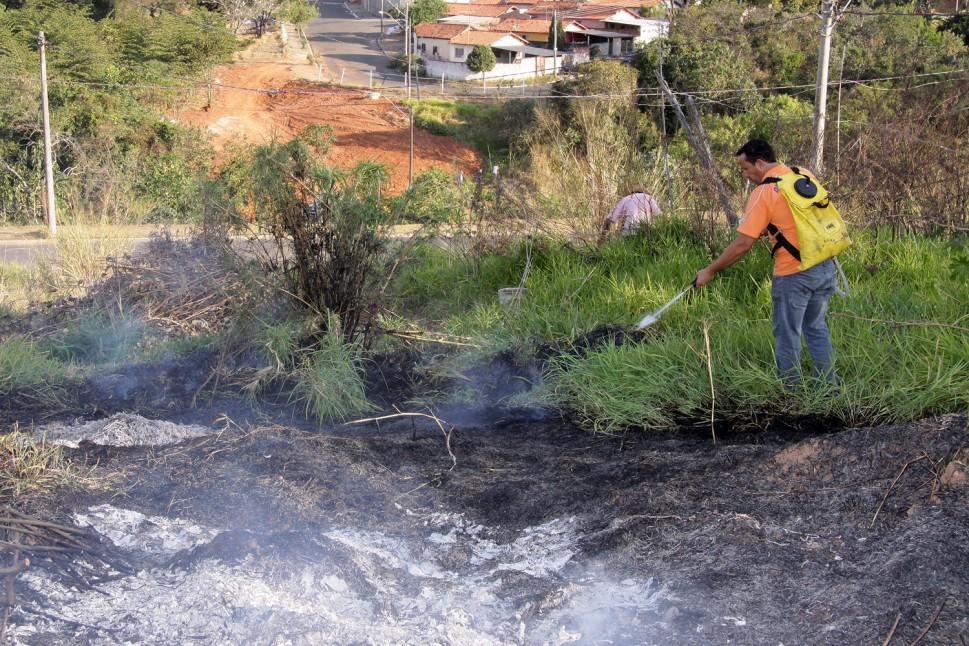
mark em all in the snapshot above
pixel 757 149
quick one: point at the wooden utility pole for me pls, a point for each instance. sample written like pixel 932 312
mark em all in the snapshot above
pixel 821 84
pixel 48 157
pixel 698 140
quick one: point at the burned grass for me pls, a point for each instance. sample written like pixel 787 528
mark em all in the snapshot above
pixel 760 538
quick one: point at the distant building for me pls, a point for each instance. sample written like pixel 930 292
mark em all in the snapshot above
pixel 444 50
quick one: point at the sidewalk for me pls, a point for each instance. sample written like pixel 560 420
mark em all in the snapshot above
pixel 38 234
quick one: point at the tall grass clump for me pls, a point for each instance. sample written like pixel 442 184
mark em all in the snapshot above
pixel 329 381
pixel 24 365
pixel 31 467
pixel 79 259
pixel 901 337
pixel 98 338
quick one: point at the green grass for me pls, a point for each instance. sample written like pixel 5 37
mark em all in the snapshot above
pixel 98 338
pixel 24 365
pixel 329 382
pixel 888 371
pixel 490 128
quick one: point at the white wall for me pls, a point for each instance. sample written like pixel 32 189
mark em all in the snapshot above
pixel 651 29
pixel 443 48
pixel 528 67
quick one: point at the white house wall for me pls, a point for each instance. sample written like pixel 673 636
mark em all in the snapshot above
pixel 650 30
pixel 527 68
pixel 443 48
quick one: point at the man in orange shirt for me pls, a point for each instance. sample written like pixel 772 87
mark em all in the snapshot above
pixel 800 298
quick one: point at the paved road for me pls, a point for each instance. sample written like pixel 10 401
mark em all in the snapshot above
pixel 348 46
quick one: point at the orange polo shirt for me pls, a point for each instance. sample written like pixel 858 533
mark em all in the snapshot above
pixel 767 205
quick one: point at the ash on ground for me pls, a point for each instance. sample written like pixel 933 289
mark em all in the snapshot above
pixel 121 429
pixel 274 532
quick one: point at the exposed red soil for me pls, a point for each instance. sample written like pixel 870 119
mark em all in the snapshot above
pixel 367 130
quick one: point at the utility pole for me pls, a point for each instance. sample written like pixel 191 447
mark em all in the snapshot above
pixel 821 84
pixel 48 161
pixel 410 160
pixel 407 52
pixel 555 43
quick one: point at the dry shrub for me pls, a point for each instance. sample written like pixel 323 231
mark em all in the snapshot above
pixel 496 214
pixel 185 287
pixel 906 165
pixel 31 467
pixel 79 259
pixel 579 169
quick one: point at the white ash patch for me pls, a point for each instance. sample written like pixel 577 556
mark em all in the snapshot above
pixel 150 534
pixel 455 582
pixel 121 429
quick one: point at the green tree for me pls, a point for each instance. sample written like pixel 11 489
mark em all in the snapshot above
pixel 708 51
pixel 427 11
pixel 298 12
pixel 556 34
pixel 895 45
pixel 958 25
pixel 481 59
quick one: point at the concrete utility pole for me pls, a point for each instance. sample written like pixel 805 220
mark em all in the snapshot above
pixel 555 43
pixel 410 159
pixel 48 157
pixel 821 84
pixel 407 52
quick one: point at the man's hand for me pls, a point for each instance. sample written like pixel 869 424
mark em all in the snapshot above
pixel 703 277
pixel 737 249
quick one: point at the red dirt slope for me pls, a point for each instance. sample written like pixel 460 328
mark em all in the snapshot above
pixel 366 129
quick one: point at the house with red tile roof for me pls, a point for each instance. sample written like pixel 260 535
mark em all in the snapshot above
pixel 614 31
pixel 534 30
pixel 444 49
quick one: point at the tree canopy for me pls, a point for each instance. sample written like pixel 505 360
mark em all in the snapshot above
pixel 427 11
pixel 481 59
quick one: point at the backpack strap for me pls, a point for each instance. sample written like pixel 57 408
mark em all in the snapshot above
pixel 782 241
pixel 779 239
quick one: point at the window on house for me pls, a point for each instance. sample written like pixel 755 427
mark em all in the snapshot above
pixel 459 52
pixel 434 51
pixel 423 47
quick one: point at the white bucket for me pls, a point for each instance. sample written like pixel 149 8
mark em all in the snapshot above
pixel 509 297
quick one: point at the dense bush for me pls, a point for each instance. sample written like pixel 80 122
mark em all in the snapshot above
pixel 330 229
pixel 115 158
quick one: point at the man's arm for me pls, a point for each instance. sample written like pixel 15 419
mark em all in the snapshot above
pixel 616 216
pixel 734 252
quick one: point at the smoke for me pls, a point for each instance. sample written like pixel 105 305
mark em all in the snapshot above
pixel 449 581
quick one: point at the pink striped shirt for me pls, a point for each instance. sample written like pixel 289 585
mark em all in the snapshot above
pixel 634 210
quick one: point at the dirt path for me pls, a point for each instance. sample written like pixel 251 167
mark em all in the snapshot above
pixel 269 95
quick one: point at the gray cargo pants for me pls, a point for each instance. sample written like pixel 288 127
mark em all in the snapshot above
pixel 800 302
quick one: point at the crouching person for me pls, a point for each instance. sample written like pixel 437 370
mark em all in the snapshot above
pixel 631 212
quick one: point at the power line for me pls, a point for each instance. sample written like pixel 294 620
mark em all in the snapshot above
pixel 389 93
pixel 926 14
